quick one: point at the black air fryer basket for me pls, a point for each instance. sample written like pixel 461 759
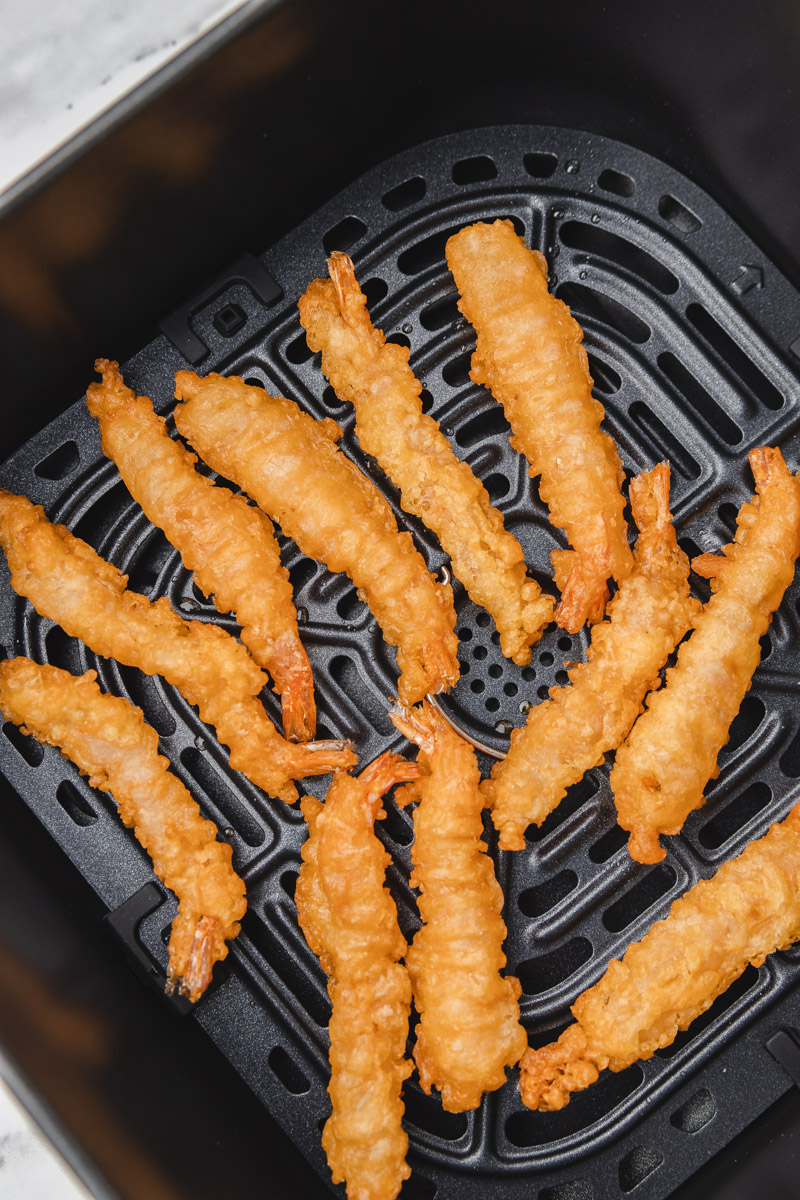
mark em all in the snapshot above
pixel 693 336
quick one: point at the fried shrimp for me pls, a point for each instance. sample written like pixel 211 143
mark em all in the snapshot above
pixel 68 582
pixel 530 355
pixel 469 1030
pixel 290 465
pixel 229 545
pixel 580 723
pixel 671 753
pixel 749 908
pixel 350 921
pixel 434 485
pixel 108 740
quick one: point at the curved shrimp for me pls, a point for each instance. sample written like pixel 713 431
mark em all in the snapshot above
pixel 68 582
pixel 350 921
pixel 571 732
pixel 290 465
pixel 530 355
pixel 671 754
pixel 229 545
pixel 434 485
pixel 107 739
pixel 469 1030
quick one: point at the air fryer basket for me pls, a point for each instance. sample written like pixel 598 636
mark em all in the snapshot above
pixel 692 340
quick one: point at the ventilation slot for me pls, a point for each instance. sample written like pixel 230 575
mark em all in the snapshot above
pixel 540 166
pixel 695 1114
pixel 745 723
pixel 608 845
pixel 27 746
pixel 288 1072
pixel 396 826
pixel 430 251
pixel 63 651
pixel 474 170
pixel 538 975
pixel 301 573
pixel 597 305
pixel 411 191
pixel 426 1113
pixel 678 214
pixel 300 977
pixel 60 463
pixel 604 377
pixel 616 182
pixel 735 357
pixel 638 899
pixel 439 315
pixel 298 351
pixel 490 423
pixel 526 1129
pixel 399 339
pixel 497 486
pixel 74 804
pixel 375 290
pixel 456 372
pixel 349 607
pixel 536 901
pixel 623 253
pixel 740 987
pixel 790 761
pixel 153 553
pixel 288 882
pixel 636 1166
pixel 665 443
pixel 418 1187
pixel 143 691
pixel 575 798
pixel 220 795
pixel 344 235
pixel 106 510
pixel 734 816
pixel 355 687
pixel 699 399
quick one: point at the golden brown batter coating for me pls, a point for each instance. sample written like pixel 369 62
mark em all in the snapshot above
pixel 750 908
pixel 530 355
pixel 469 1030
pixel 67 581
pixel 229 545
pixel 671 753
pixel 350 921
pixel 290 465
pixel 107 738
pixel 572 731
pixel 374 376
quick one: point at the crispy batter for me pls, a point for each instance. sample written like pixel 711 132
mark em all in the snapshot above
pixel 67 581
pixel 530 354
pixel 579 724
pixel 435 486
pixel 671 753
pixel 229 545
pixel 290 465
pixel 107 738
pixel 469 1030
pixel 350 921
pixel 748 909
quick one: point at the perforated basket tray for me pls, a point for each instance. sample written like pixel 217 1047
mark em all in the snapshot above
pixel 692 338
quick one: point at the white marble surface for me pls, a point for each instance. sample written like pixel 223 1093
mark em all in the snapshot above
pixel 29 1166
pixel 63 64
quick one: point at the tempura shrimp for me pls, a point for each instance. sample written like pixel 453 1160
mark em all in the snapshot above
pixel 530 355
pixel 671 753
pixel 107 739
pixel 229 545
pixel 374 375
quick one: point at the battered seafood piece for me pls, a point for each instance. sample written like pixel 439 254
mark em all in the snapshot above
pixel 107 738
pixel 374 376
pixel 68 582
pixel 229 545
pixel 749 908
pixel 350 921
pixel 671 753
pixel 290 465
pixel 572 731
pixel 469 1029
pixel 530 355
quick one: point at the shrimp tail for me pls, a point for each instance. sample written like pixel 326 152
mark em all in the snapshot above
pixel 383 773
